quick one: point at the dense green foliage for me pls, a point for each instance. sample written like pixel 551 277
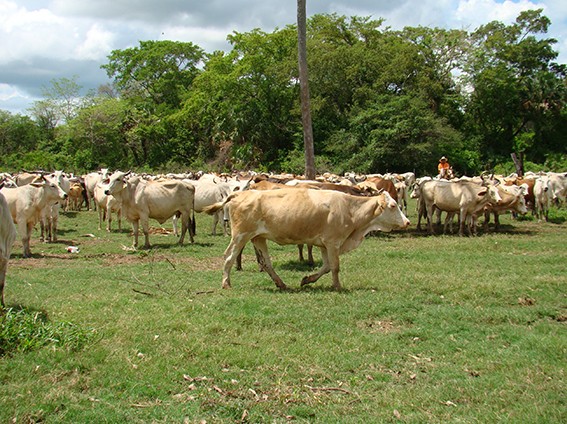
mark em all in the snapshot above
pixel 382 100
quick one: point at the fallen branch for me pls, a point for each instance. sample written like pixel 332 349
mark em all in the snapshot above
pixel 330 389
pixel 141 292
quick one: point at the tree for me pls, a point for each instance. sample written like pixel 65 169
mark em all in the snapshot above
pixel 304 90
pixel 517 88
pixel 155 73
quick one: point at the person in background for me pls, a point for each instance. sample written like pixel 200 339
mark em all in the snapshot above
pixel 444 168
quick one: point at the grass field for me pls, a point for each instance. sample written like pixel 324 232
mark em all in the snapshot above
pixel 427 329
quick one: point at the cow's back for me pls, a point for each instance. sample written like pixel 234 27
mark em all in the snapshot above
pixel 161 200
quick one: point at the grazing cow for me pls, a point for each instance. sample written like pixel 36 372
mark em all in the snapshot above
pixel 7 237
pixel 106 204
pixel 543 195
pixel 142 200
pixel 91 181
pixel 27 204
pixel 464 197
pixel 334 221
pixel 512 199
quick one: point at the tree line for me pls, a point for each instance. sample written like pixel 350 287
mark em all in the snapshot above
pixel 381 100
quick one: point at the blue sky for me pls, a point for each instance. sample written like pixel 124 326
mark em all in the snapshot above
pixel 43 40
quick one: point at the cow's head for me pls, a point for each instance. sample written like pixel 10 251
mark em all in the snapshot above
pixel 117 182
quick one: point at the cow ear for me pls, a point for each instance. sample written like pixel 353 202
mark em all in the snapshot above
pixel 483 191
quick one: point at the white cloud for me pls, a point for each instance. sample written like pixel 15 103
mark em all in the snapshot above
pixel 96 45
pixel 41 40
pixel 479 12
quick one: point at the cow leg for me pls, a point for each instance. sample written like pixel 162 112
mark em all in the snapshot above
pixel 119 217
pixel 28 228
pixel 216 218
pixel 53 227
pixel 100 218
pixel 230 254
pixel 429 210
pixel 308 279
pixel 175 229
pixel 109 220
pixel 3 267
pixel 184 227
pixel 264 260
pixel 135 230
pixel 300 252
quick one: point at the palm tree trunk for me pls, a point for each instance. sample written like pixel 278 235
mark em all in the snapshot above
pixel 304 90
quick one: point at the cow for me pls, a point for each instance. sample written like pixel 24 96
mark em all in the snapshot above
pixel 7 238
pixel 91 179
pixel 333 221
pixel 401 189
pixel 464 197
pixel 543 195
pixel 558 187
pixel 208 192
pixel 27 203
pixel 530 198
pixel 50 214
pixel 106 204
pixel 384 184
pixel 142 200
pixel 512 199
pixel 75 199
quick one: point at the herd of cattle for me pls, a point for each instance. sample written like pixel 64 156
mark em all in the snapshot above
pixel 332 212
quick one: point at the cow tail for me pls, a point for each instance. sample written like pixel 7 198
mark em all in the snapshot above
pixel 212 209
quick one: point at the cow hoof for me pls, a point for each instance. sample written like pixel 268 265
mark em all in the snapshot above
pixel 306 280
pixel 226 286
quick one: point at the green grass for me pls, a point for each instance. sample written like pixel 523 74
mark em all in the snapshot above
pixel 427 329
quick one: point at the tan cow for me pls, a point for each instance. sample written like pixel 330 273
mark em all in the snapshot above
pixel 91 179
pixel 142 200
pixel 7 237
pixel 75 199
pixel 333 221
pixel 27 203
pixel 106 204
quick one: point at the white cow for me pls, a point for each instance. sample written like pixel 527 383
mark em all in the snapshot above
pixel 207 193
pixel 91 179
pixel 543 195
pixel 558 186
pixel 27 203
pixel 50 214
pixel 334 221
pixel 106 204
pixel 7 237
pixel 463 197
pixel 142 200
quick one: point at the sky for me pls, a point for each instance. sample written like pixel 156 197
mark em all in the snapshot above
pixel 46 40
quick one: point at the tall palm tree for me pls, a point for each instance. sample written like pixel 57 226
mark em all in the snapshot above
pixel 304 90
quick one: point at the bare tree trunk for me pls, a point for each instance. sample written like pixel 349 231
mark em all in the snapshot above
pixel 519 163
pixel 304 90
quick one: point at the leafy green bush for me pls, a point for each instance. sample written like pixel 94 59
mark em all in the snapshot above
pixel 23 331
